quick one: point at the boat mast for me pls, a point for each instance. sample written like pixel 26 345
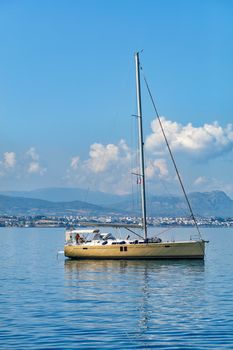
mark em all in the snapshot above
pixel 141 145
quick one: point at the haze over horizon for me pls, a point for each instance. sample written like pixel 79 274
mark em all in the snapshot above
pixel 67 94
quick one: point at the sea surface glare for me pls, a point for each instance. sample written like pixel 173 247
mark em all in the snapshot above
pixel 48 302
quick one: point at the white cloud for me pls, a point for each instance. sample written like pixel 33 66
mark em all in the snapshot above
pixel 157 168
pixel 201 180
pixel 209 140
pixel 109 168
pixel 27 163
pixel 33 154
pixel 35 168
pixel 9 159
pixel 101 157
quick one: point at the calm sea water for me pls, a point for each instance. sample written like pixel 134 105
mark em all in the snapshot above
pixel 48 302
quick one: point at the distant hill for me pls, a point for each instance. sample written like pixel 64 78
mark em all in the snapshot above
pixel 67 194
pixel 29 206
pixel 215 203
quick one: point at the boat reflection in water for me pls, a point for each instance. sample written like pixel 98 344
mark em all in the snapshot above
pixel 138 265
pixel 135 296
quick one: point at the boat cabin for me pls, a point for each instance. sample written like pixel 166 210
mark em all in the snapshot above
pixel 85 236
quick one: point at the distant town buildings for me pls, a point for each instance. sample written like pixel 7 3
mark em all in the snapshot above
pixel 73 221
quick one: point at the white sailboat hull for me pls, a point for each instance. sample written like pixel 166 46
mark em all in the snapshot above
pixel 168 250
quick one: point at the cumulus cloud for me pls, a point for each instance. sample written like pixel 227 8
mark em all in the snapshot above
pixel 27 163
pixel 201 180
pixel 106 169
pixel 102 156
pixel 34 166
pixel 157 168
pixel 9 159
pixel 33 154
pixel 109 168
pixel 8 163
pixel 209 140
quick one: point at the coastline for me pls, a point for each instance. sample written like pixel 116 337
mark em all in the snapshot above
pixel 42 221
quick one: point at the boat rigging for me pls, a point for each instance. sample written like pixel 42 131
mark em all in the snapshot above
pixel 79 244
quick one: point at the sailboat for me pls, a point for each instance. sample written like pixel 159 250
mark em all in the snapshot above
pixel 91 243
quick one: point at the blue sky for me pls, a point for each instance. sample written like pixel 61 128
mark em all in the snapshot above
pixel 67 92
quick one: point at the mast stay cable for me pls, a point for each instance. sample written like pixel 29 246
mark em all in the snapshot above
pixel 171 155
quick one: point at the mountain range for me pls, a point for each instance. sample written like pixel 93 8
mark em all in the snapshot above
pixel 73 201
pixel 67 194
pixel 31 206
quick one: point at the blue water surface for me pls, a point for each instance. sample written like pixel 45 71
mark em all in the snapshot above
pixel 48 302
